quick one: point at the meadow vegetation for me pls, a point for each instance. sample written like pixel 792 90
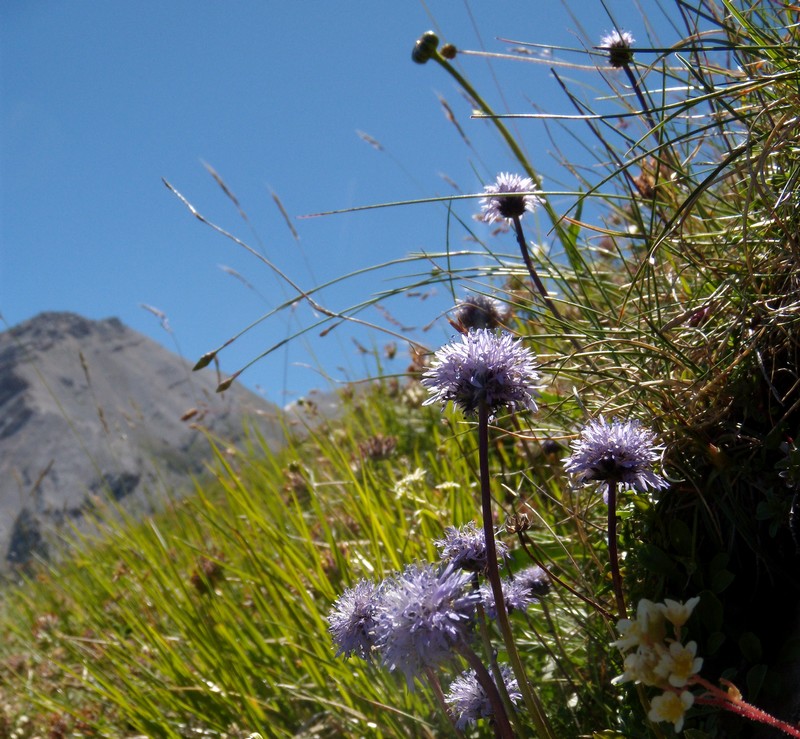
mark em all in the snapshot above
pixel 662 323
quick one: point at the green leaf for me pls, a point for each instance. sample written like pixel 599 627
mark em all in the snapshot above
pixel 755 679
pixel 710 611
pixel 721 580
pixel 750 646
pixel 681 537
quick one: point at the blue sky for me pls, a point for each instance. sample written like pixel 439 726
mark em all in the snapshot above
pixel 101 100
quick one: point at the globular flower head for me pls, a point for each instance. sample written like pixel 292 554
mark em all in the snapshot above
pixel 621 452
pixel 479 311
pixel 506 198
pixel 425 47
pixel 483 367
pixel 352 620
pixel 618 44
pixel 465 547
pixel 519 591
pixel 422 616
pixel 468 700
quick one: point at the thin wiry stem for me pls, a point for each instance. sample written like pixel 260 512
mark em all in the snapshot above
pixel 501 723
pixel 526 257
pixel 532 702
pixel 436 687
pixel 613 553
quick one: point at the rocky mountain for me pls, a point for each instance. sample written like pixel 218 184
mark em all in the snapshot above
pixel 91 410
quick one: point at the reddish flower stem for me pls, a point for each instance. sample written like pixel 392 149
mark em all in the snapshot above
pixel 719 698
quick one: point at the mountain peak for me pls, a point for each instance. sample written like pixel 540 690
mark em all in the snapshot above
pixel 91 409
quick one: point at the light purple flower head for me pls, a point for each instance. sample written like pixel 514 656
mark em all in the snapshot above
pixel 622 452
pixel 465 547
pixel 506 198
pixel 519 591
pixel 468 700
pixel 618 44
pixel 352 620
pixel 483 367
pixel 423 615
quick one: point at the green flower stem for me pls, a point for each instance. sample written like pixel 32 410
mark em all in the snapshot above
pixel 532 702
pixel 651 122
pixel 639 96
pixel 613 553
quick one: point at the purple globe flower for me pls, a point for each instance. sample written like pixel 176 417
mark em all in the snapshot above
pixel 352 620
pixel 423 615
pixel 622 452
pixel 465 547
pixel 507 198
pixel 519 591
pixel 468 700
pixel 618 44
pixel 483 367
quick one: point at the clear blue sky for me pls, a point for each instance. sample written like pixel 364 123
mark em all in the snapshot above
pixel 100 100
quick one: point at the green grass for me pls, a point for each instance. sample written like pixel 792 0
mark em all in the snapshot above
pixel 211 617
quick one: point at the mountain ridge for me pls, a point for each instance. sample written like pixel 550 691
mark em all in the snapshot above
pixel 92 409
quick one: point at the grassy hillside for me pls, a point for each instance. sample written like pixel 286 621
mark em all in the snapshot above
pixel 651 473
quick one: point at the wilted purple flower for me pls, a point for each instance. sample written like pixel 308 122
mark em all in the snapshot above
pixel 468 700
pixel 535 580
pixel 465 547
pixel 618 44
pixel 519 591
pixel 422 616
pixel 483 367
pixel 498 205
pixel 621 452
pixel 352 620
pixel 480 311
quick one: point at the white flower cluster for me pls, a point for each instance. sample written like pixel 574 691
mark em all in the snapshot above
pixel 658 658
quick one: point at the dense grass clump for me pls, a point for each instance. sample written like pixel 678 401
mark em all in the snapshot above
pixel 620 416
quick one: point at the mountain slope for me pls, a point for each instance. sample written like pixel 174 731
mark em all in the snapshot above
pixel 91 409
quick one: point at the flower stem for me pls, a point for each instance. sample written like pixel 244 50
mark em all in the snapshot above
pixel 532 702
pixel 439 695
pixel 526 257
pixel 613 553
pixel 721 699
pixel 502 725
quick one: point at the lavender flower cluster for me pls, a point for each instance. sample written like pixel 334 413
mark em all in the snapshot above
pixel 421 618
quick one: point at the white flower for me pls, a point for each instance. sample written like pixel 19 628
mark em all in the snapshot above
pixel 678 613
pixel 670 706
pixel 681 663
pixel 630 634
